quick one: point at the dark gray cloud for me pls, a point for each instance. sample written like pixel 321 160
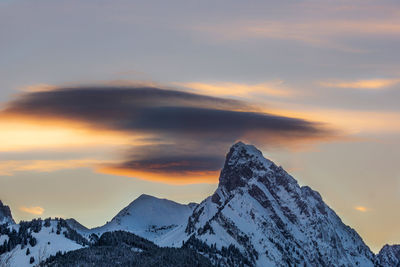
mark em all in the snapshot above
pixel 200 128
pixel 109 102
pixel 155 110
pixel 181 157
pixel 174 164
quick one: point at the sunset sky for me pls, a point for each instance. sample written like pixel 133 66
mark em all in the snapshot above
pixel 101 101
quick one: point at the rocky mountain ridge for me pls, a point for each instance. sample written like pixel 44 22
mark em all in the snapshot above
pixel 263 211
pixel 258 216
pixel 389 255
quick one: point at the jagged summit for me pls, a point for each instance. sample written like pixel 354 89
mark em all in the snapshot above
pixel 5 214
pixel 242 161
pixel 259 214
pixel 242 153
pixel 261 209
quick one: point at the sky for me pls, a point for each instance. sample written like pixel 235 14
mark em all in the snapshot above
pixel 101 101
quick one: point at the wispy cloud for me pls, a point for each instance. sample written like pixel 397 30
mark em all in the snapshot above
pixel 35 210
pixel 177 178
pixel 368 84
pixel 22 133
pixel 357 121
pixel 10 167
pixel 329 33
pixel 274 88
pixel 361 208
pixel 38 88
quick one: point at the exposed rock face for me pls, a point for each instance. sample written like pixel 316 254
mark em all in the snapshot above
pixel 258 216
pixel 262 210
pixel 389 256
pixel 240 164
pixel 5 214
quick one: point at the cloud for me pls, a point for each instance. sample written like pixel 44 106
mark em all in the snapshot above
pixel 371 84
pixel 10 167
pixel 175 164
pixel 239 89
pixel 180 163
pixel 152 110
pixel 22 133
pixel 38 88
pixel 328 33
pixel 361 208
pixel 35 210
pixel 178 178
pixel 180 137
pixel 356 122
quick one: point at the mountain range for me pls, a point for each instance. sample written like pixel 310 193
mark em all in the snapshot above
pixel 258 216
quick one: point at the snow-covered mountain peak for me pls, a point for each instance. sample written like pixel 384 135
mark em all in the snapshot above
pixel 241 164
pixel 144 197
pixel 241 153
pixel 259 214
pixel 261 209
pixel 145 209
pixel 149 217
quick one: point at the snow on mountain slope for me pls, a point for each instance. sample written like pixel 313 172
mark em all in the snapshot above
pixel 389 255
pixel 77 226
pixel 258 207
pixel 48 242
pixel 149 217
pixel 262 210
pixel 5 214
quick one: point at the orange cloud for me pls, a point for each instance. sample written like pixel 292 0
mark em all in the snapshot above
pixel 321 33
pixel 38 88
pixel 177 178
pixel 361 208
pixel 27 133
pixel 44 121
pixel 10 167
pixel 19 133
pixel 355 122
pixel 371 84
pixel 239 89
pixel 36 210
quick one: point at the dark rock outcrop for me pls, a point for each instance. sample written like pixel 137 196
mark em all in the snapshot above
pixel 5 214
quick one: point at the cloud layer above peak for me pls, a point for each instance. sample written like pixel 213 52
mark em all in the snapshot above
pixel 187 134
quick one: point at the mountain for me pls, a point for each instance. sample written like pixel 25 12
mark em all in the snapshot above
pixel 259 208
pixel 5 214
pixel 389 256
pixel 121 248
pixel 28 243
pixel 258 216
pixel 149 217
pixel 74 224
